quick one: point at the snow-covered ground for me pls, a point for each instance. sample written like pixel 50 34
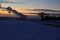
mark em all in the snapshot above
pixel 23 30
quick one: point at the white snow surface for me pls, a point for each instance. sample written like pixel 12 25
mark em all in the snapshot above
pixel 23 30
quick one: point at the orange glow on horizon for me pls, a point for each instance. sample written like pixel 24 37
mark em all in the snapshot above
pixel 21 10
pixel 5 12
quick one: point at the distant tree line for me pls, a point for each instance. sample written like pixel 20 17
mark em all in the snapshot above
pixel 42 15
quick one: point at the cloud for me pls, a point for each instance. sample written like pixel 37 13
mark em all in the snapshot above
pixel 17 1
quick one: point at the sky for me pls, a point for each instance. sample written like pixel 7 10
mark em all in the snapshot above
pixel 34 4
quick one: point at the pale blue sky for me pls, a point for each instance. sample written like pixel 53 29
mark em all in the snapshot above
pixel 36 4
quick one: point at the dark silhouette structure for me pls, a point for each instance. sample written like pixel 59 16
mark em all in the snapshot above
pixel 51 18
pixel 45 16
pixel 21 16
pixel 9 9
pixel 42 15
